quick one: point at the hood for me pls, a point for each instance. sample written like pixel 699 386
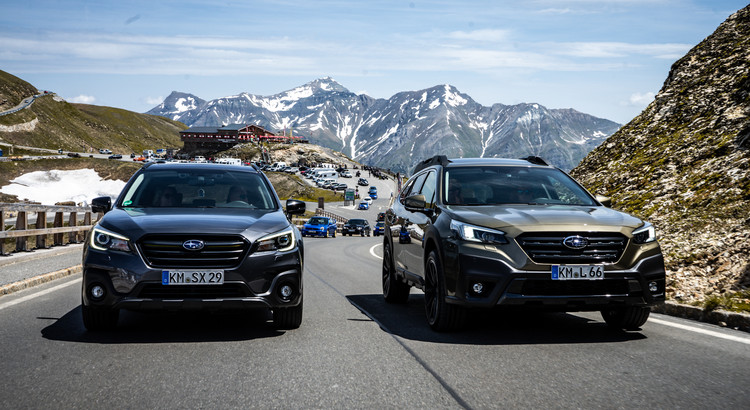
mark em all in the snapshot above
pixel 542 217
pixel 136 222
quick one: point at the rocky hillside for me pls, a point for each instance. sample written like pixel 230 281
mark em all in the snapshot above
pixel 53 123
pixel 399 131
pixel 684 164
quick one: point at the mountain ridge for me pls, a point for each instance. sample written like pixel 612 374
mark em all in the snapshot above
pixel 684 164
pixel 407 127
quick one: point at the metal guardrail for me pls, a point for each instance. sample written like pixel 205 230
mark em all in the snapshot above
pixel 22 230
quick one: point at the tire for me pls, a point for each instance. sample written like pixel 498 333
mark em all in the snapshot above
pixel 441 316
pixel 325 234
pixel 95 319
pixel 363 234
pixel 629 318
pixel 334 234
pixel 288 318
pixel 394 291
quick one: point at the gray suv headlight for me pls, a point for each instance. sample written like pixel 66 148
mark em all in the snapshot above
pixel 480 234
pixel 103 240
pixel 644 234
pixel 280 241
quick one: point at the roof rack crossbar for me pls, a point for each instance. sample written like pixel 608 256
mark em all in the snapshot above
pixel 436 160
pixel 536 160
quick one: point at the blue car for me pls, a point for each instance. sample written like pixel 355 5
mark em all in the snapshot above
pixel 373 192
pixel 319 226
pixel 364 206
pixel 379 226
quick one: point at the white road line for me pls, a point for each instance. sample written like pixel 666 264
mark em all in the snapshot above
pixel 37 294
pixel 372 251
pixel 744 340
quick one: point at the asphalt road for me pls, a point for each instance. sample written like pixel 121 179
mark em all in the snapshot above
pixel 355 351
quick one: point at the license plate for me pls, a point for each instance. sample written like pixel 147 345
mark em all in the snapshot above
pixel 577 272
pixel 192 277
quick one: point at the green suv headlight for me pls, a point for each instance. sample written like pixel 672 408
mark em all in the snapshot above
pixel 644 234
pixel 478 234
pixel 279 241
pixel 104 240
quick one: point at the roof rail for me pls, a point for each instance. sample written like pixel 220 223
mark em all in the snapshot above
pixel 436 160
pixel 536 160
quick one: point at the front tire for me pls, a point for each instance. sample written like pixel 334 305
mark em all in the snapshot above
pixel 97 318
pixel 441 316
pixel 288 318
pixel 629 318
pixel 394 291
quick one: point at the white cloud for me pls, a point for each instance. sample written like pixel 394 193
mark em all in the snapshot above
pixel 154 100
pixel 480 35
pixel 641 99
pixel 83 99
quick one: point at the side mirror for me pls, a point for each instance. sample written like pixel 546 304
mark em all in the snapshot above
pixel 416 203
pixel 101 205
pixel 604 200
pixel 295 207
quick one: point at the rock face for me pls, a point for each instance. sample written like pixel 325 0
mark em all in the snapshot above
pixel 398 132
pixel 684 164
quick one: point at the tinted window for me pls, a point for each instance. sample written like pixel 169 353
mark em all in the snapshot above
pixel 413 187
pixel 199 188
pixel 493 185
pixel 429 187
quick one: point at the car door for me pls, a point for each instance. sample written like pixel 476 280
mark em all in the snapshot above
pixel 408 249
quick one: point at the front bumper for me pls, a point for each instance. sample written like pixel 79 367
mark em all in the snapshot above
pixel 129 283
pixel 502 285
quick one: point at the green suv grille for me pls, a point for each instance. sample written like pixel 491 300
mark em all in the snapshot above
pixel 548 247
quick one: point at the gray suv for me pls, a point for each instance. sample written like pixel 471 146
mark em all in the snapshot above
pixel 193 236
pixel 481 233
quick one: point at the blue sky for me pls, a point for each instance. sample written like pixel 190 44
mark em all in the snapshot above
pixel 607 58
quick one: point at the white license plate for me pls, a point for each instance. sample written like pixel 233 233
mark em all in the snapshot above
pixel 192 277
pixel 577 272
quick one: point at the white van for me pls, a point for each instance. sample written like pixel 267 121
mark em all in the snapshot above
pixel 278 166
pixel 329 173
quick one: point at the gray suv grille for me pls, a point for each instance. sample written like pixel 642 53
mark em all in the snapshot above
pixel 218 251
pixel 543 247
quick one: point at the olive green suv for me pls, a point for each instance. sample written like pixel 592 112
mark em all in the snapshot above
pixel 481 233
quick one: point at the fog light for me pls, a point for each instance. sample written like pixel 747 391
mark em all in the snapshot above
pixel 478 288
pixel 286 291
pixel 653 287
pixel 97 292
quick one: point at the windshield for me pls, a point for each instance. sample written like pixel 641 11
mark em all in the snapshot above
pixel 356 222
pixel 318 221
pixel 496 185
pixel 199 188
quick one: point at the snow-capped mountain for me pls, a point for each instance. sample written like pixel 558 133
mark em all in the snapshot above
pixel 397 132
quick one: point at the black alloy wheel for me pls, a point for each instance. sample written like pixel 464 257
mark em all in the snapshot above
pixel 441 316
pixel 394 291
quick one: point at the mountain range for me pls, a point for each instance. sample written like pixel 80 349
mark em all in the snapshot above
pixel 397 132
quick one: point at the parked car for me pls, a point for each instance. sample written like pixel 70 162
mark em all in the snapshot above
pixel 185 236
pixel 105 151
pixel 486 233
pixel 378 230
pixel 346 174
pixel 356 226
pixel 363 182
pixel 319 226
pixel 363 206
pixel 339 186
pixel 74 155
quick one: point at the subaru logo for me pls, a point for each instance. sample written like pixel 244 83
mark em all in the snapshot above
pixel 193 245
pixel 575 242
